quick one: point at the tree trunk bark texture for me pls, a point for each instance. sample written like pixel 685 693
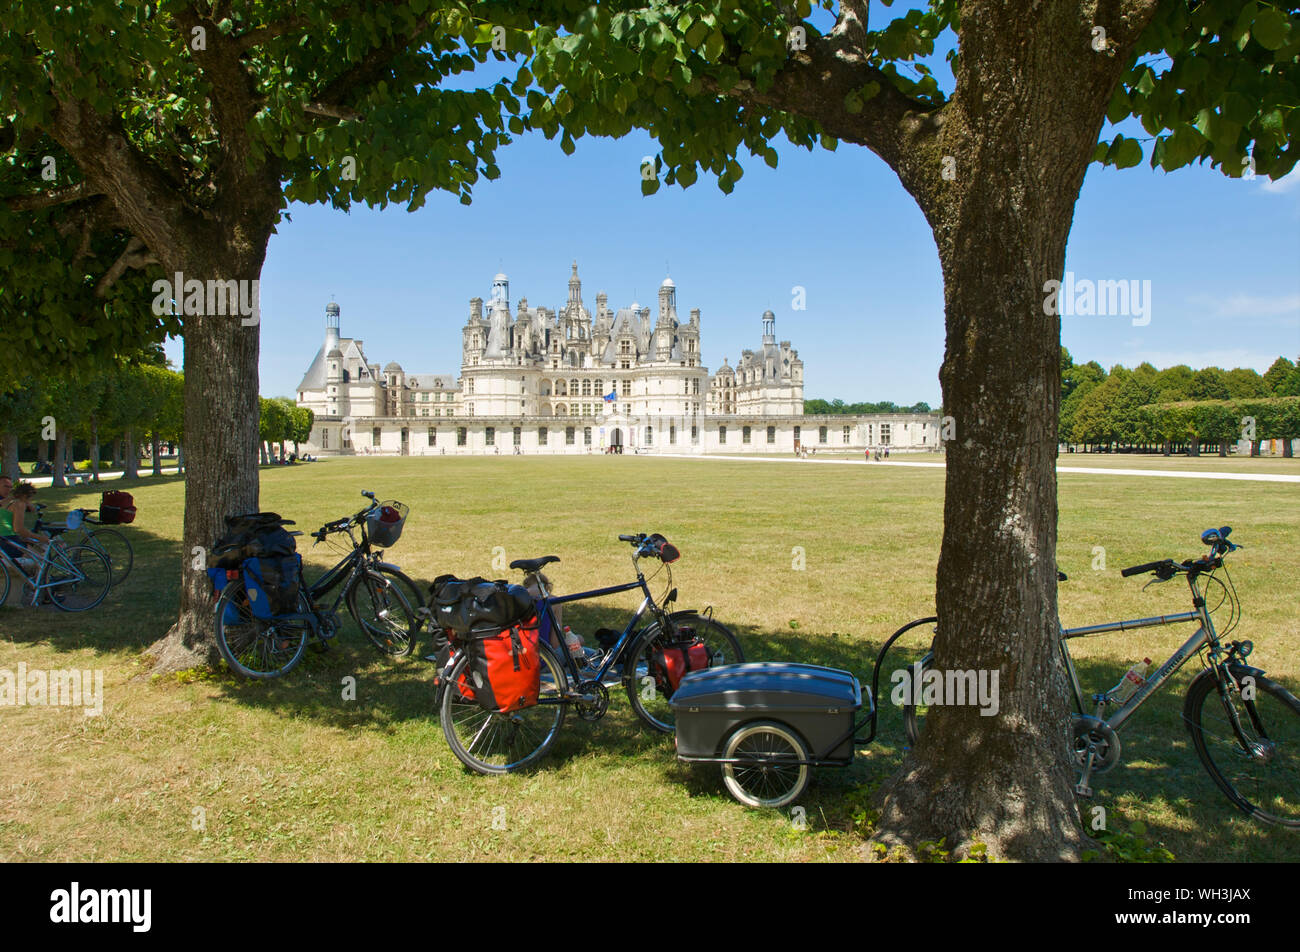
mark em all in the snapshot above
pixel 221 417
pixel 1022 126
pixel 60 446
pixel 130 456
pixel 9 456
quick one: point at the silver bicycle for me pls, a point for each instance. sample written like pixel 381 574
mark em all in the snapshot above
pixel 74 578
pixel 1244 727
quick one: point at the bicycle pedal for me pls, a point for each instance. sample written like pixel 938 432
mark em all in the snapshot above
pixel 1083 790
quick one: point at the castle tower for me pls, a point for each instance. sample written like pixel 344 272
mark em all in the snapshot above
pixel 769 328
pixel 331 326
pixel 501 290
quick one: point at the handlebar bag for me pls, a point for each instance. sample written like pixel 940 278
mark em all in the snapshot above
pixel 504 673
pixel 116 508
pixel 672 661
pixel 272 584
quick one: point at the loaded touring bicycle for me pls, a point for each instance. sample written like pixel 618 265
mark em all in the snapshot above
pixel 767 724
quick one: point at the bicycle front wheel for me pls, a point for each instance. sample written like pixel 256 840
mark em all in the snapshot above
pixel 4 579
pixel 1248 739
pixel 116 549
pixel 648 696
pixel 79 577
pixel 491 743
pixel 255 647
pixel 384 613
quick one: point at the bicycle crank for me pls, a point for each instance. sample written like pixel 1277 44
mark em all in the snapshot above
pixel 592 701
pixel 1096 749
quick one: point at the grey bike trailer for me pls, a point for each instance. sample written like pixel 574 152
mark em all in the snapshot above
pixel 819 704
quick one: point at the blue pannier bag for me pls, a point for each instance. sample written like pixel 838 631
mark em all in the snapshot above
pixel 272 584
pixel 219 581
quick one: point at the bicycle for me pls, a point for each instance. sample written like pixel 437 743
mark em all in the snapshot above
pixel 109 542
pixel 74 578
pixel 493 743
pixel 371 588
pixel 1251 749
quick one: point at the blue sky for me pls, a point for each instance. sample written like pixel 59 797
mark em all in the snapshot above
pixel 1222 255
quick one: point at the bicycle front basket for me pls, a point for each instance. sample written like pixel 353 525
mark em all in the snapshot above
pixel 384 524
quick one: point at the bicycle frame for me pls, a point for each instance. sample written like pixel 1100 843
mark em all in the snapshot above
pixel 1205 635
pixel 612 656
pixel 53 555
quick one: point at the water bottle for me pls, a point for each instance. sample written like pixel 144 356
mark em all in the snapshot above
pixel 1134 678
pixel 574 644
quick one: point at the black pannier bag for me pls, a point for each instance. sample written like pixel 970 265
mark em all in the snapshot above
pixel 258 544
pixel 251 535
pixel 273 583
pixel 460 605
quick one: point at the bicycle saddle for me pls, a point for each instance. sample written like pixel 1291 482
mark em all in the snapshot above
pixel 533 565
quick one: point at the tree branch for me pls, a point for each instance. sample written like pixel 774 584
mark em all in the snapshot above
pixel 57 196
pixel 135 255
pixel 332 111
pixel 815 82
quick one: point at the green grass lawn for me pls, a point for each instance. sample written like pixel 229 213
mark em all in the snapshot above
pixel 214 769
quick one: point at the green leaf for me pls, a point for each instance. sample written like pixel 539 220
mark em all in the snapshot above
pixel 1270 28
pixel 713 46
pixel 1127 153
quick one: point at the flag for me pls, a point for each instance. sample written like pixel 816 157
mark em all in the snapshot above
pixel 611 396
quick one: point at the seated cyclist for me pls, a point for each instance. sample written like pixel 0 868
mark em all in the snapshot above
pixel 14 534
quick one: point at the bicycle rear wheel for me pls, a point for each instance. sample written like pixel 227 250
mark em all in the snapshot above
pixel 384 614
pixel 80 577
pixel 1256 760
pixel 4 579
pixel 255 647
pixel 491 743
pixel 116 549
pixel 649 700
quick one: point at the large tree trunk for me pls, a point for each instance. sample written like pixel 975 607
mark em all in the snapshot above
pixel 130 456
pixel 9 455
pixel 156 447
pixel 60 445
pixel 221 418
pixel 43 451
pixel 1024 121
pixel 94 449
pixel 117 455
pixel 180 458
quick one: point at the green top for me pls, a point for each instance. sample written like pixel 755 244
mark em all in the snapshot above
pixel 6 523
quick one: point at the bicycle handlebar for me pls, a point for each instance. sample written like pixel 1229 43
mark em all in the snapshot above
pixel 1216 539
pixel 1144 567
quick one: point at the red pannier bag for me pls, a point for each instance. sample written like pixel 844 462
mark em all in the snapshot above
pixel 504 673
pixel 116 508
pixel 669 663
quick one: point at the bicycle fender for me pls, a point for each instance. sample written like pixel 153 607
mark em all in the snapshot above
pixel 1239 671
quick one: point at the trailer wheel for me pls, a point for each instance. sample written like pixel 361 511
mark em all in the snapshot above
pixel 771 768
